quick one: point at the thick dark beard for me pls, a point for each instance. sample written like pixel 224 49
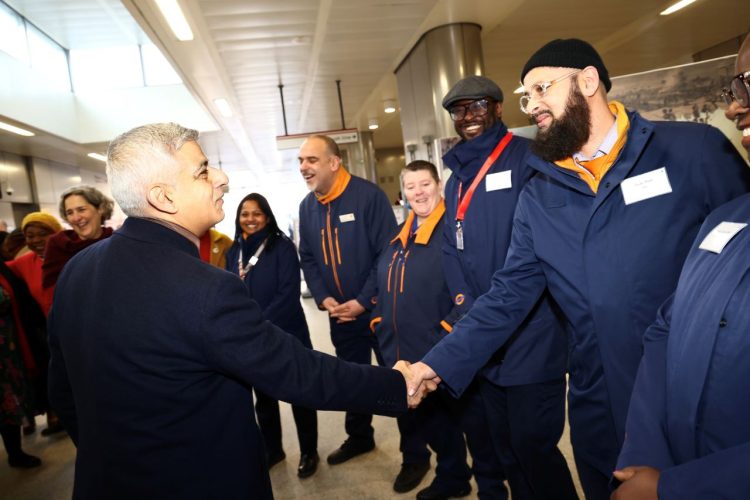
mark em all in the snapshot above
pixel 566 135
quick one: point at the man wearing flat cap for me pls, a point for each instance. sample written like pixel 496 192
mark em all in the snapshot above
pixel 604 225
pixel 519 399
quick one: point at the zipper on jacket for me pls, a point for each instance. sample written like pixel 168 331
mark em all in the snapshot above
pixel 390 268
pixel 338 248
pixel 330 247
pixel 323 244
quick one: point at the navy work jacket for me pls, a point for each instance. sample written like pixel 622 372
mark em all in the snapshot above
pixel 340 243
pixel 274 282
pixel 537 351
pixel 152 357
pixel 413 299
pixel 608 266
pixel 689 412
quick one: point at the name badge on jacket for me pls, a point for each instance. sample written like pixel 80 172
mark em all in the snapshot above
pixel 644 186
pixel 717 239
pixel 346 218
pixel 498 180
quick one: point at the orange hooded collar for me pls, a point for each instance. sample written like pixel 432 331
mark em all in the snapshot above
pixel 339 185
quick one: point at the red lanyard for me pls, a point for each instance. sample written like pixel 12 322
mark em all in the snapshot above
pixel 464 202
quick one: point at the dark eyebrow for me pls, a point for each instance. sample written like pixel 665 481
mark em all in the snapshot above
pixel 203 165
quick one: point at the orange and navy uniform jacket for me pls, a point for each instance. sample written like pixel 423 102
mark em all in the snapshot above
pixel 414 305
pixel 537 352
pixel 340 242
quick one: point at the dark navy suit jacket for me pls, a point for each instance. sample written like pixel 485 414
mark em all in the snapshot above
pixel 153 353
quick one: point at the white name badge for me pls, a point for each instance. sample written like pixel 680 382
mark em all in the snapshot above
pixel 719 236
pixel 498 180
pixel 645 186
pixel 346 218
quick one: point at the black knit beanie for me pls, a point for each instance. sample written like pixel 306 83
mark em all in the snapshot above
pixel 569 53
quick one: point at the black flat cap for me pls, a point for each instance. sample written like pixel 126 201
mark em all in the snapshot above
pixel 472 87
pixel 568 53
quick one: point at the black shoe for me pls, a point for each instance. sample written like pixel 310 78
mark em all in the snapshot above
pixel 308 464
pixel 24 461
pixel 276 458
pixel 53 429
pixel 410 476
pixel 349 450
pixel 433 492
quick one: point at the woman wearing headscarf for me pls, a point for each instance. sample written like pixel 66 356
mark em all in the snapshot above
pixel 37 228
pixel 266 260
pixel 86 209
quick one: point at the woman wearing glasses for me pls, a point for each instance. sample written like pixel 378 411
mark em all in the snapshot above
pixel 266 260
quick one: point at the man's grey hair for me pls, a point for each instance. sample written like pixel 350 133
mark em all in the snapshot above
pixel 144 156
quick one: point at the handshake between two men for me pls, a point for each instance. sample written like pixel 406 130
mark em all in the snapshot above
pixel 420 381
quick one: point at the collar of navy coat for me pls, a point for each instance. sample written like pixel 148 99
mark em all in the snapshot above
pixel 638 137
pixel 467 157
pixel 151 232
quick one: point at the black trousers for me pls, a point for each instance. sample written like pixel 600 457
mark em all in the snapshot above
pixel 486 463
pixel 269 420
pixel 527 423
pixel 436 422
pixel 354 342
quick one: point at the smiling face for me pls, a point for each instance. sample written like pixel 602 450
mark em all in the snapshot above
pixel 199 190
pixel 738 114
pixel 318 166
pixel 36 237
pixel 252 219
pixel 473 125
pixel 83 217
pixel 422 192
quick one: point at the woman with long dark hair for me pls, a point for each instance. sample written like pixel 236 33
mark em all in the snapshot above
pixel 266 260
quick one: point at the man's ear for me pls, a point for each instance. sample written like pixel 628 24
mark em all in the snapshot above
pixel 161 197
pixel 589 82
pixel 335 162
pixel 499 110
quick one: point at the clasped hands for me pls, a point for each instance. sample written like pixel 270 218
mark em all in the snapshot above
pixel 348 311
pixel 420 381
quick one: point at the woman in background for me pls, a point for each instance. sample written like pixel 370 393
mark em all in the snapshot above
pixel 86 209
pixel 37 227
pixel 267 261
pixel 21 337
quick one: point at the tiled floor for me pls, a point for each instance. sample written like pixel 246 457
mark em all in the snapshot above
pixel 366 477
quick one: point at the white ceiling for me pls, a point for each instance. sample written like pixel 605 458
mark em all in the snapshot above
pixel 244 49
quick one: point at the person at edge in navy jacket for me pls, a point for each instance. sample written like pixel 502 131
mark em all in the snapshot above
pixel 688 431
pixel 605 225
pixel 519 399
pixel 266 260
pixel 153 352
pixel 344 224
pixel 411 315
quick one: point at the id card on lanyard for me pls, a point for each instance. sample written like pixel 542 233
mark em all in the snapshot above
pixel 463 203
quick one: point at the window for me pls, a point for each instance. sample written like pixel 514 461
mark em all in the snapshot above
pixel 48 58
pixel 13 34
pixel 106 68
pixel 157 68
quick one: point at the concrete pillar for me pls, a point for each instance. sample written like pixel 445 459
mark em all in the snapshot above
pixel 440 58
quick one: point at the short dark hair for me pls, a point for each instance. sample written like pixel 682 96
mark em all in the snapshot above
pixel 331 146
pixel 418 165
pixel 274 233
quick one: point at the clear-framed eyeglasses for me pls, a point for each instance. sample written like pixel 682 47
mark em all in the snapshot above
pixel 539 89
pixel 739 90
pixel 480 107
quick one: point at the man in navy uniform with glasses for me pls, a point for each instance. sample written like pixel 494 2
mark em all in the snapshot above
pixel 519 399
pixel 604 225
